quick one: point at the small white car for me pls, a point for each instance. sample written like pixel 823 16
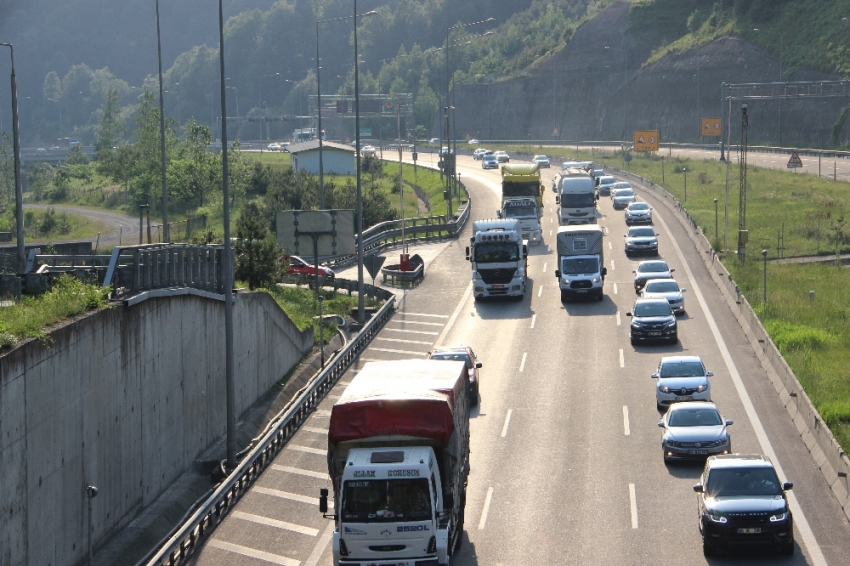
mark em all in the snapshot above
pixel 473 141
pixel 502 157
pixel 666 289
pixel 681 378
pixel 274 147
pixel 368 151
pixel 638 213
pixel 541 160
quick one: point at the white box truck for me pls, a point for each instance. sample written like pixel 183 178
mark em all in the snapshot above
pixel 499 258
pixel 398 458
pixel 581 262
pixel 576 197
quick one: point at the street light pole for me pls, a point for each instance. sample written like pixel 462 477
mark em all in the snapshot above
pixel 685 171
pixel 165 234
pixel 361 311
pixel 764 255
pixel 319 108
pixel 16 144
pixel 715 220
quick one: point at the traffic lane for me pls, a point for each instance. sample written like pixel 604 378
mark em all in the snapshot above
pixel 820 507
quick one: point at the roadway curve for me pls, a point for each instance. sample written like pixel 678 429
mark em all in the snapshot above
pixel 120 227
pixel 566 460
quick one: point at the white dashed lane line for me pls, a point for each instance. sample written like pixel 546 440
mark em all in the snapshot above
pixel 484 512
pixel 622 360
pixel 533 320
pixel 260 520
pixel 626 428
pixel 633 505
pixel 507 422
pixel 522 363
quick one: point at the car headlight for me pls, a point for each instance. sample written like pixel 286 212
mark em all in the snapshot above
pixel 701 388
pixel 664 389
pixel 715 517
pixel 595 280
pixel 779 517
pixel 671 324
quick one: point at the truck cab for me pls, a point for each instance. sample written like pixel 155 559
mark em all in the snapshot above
pixel 391 508
pixel 525 210
pixel 499 257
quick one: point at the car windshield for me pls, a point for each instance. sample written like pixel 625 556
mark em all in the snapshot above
pixel 642 233
pixel 577 200
pixel 694 417
pixel 653 309
pixel 682 369
pixel 638 206
pixel 652 267
pixel 389 501
pixel 742 481
pixel 491 252
pixel 623 193
pixel 520 212
pixel 540 158
pixel 578 266
pixel 662 287
pixel 452 356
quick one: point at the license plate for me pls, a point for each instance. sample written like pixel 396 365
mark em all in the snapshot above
pixel 684 397
pixel 697 451
pixel 581 291
pixel 497 286
pixel 654 333
pixel 749 531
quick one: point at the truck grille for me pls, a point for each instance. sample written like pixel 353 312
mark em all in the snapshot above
pixel 581 284
pixel 388 548
pixel 497 276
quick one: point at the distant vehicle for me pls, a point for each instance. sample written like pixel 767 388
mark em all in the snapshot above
pixel 666 289
pixel 652 269
pixel 541 160
pixel 445 150
pixel 489 161
pixel 434 140
pixel 740 500
pixel 479 153
pixel 638 213
pixel 473 141
pixel 368 151
pixel 604 185
pixel 622 198
pixel 652 319
pixel 694 431
pixel 300 267
pixel 41 150
pixel 274 147
pixel 641 240
pixel 466 355
pixel 617 185
pixel 596 173
pixel 502 157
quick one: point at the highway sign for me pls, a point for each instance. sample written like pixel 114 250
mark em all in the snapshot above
pixel 373 264
pixel 646 140
pixel 795 161
pixel 334 228
pixel 710 127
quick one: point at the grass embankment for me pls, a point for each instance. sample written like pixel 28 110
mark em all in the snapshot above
pixel 51 225
pixel 29 317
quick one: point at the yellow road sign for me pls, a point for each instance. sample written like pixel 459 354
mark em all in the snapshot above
pixel 646 140
pixel 710 127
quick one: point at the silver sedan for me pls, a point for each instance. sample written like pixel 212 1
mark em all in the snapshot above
pixel 666 289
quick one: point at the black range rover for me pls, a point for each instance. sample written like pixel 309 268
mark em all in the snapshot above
pixel 740 500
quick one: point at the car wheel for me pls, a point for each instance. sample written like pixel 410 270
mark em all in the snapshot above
pixel 659 407
pixel 563 297
pixel 674 339
pixel 473 400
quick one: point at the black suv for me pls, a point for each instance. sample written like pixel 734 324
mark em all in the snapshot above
pixel 741 500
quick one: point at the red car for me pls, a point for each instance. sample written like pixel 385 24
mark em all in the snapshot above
pixel 299 266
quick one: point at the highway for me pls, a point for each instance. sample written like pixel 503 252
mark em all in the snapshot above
pixel 566 465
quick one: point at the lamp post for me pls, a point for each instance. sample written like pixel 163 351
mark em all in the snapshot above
pixel 16 143
pixel 361 310
pixel 764 255
pixel 662 169
pixel 165 235
pixel 715 220
pixel 685 171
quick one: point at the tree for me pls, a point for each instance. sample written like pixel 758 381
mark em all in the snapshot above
pixel 110 126
pixel 77 155
pixel 257 253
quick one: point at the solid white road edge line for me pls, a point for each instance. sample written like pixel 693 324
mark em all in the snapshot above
pixel 809 539
pixel 626 420
pixel 454 316
pixel 633 505
pixel 507 422
pixel 522 363
pixel 483 522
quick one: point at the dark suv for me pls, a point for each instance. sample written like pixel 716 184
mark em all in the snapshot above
pixel 741 501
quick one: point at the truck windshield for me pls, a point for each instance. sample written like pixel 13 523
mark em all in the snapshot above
pixel 577 200
pixel 520 212
pixel 386 501
pixel 579 265
pixel 491 252
pixel 521 188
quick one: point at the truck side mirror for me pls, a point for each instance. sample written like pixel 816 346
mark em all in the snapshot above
pixel 323 500
pixel 558 273
pixel 557 200
pixel 604 271
pixel 498 214
pixel 467 253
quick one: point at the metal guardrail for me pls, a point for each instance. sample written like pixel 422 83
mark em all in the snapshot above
pixel 180 545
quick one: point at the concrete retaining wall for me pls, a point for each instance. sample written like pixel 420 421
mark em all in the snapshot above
pixel 126 399
pixel 827 453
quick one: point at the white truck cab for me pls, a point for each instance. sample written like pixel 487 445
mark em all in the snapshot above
pixel 499 257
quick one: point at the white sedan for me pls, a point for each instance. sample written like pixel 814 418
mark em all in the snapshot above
pixel 666 289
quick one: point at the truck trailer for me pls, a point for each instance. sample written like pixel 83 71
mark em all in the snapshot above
pixel 499 257
pixel 581 262
pixel 398 458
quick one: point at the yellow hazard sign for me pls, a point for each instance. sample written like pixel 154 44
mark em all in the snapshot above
pixel 710 127
pixel 646 140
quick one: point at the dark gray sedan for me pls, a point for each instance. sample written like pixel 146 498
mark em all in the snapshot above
pixel 694 430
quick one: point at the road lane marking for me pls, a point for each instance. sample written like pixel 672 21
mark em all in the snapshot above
pixel 260 520
pixel 618 318
pixel 402 341
pixel 622 360
pixel 319 549
pixel 427 332
pixel 809 539
pixel 633 504
pixel 455 314
pixel 300 472
pixel 606 230
pixel 421 322
pixel 314 429
pixel 540 291
pixel 550 232
pixel 522 363
pixel 626 420
pixel 545 264
pixel 615 288
pixel 253 553
pixel 533 320
pixel 612 265
pixel 610 247
pixel 307 449
pixel 483 522
pixel 423 314
pixel 392 351
pixel 507 422
pixel 287 495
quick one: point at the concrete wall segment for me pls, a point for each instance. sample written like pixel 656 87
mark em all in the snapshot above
pixel 125 398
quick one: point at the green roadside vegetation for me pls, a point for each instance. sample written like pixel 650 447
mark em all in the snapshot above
pixel 813 336
pixel 50 224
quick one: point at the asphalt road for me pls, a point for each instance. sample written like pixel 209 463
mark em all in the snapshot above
pixel 566 463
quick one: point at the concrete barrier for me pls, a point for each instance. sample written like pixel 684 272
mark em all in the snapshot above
pixel 814 432
pixel 126 399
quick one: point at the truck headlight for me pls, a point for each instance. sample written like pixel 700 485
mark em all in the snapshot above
pixel 596 280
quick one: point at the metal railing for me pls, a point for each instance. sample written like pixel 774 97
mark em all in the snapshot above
pixel 187 538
